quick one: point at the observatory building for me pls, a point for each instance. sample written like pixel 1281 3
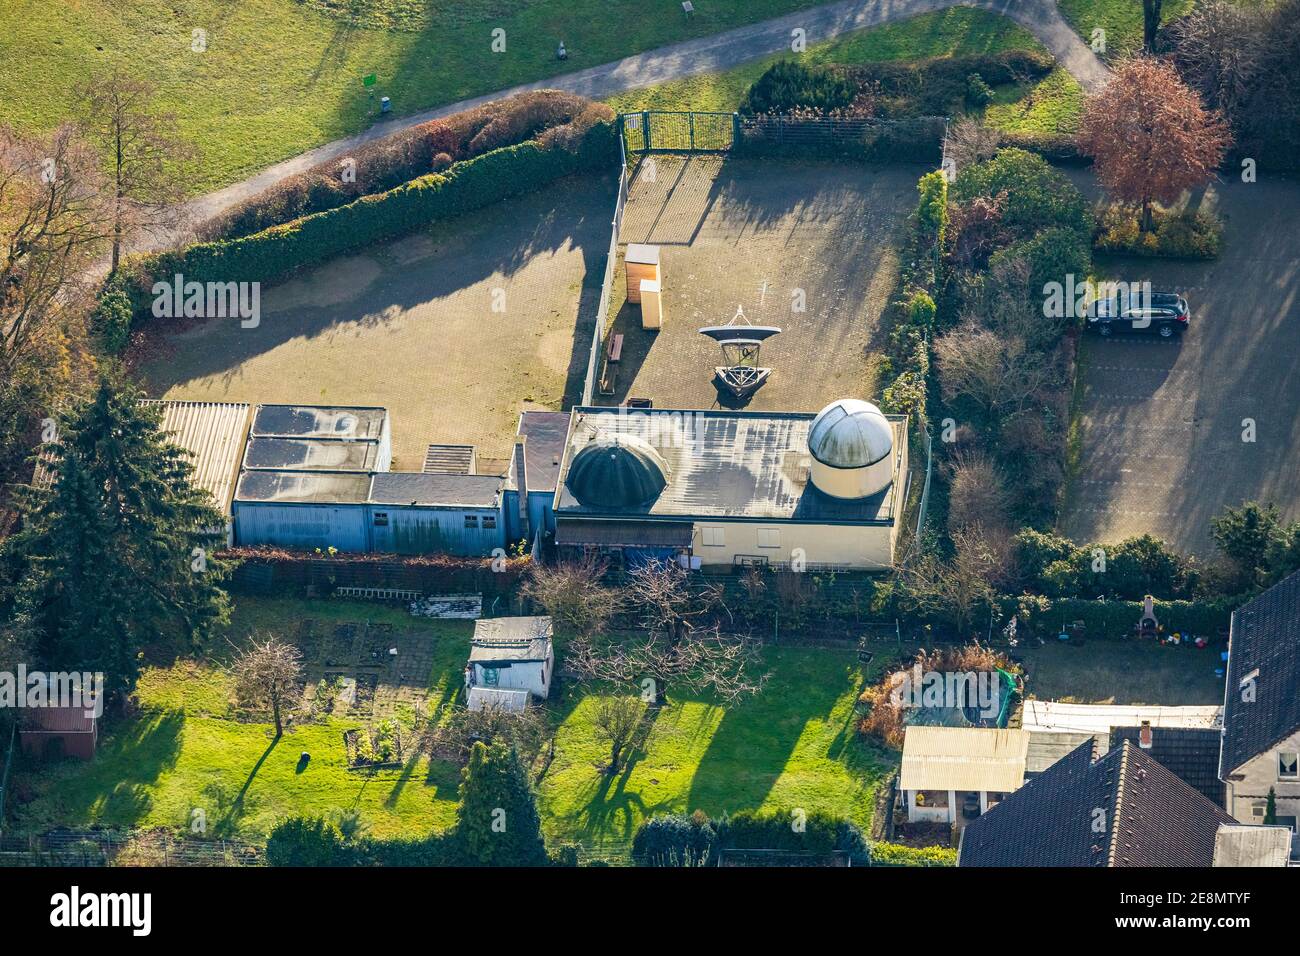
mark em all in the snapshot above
pixel 734 488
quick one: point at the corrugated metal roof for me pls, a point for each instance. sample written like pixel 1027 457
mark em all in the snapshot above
pixel 311 454
pixel 213 433
pixel 316 421
pixel 511 639
pixel 449 460
pixel 1100 718
pixel 417 488
pixel 963 758
pixel 726 464
pixel 1252 846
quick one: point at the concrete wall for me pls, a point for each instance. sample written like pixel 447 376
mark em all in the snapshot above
pixel 1260 774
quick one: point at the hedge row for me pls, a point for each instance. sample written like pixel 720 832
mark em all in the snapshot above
pixel 894 854
pixel 1116 619
pixel 275 254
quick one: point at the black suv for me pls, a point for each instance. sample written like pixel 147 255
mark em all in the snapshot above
pixel 1162 312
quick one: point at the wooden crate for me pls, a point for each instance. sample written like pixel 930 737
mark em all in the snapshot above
pixel 652 307
pixel 640 262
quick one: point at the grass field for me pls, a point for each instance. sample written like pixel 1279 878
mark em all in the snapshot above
pixel 1120 19
pixel 271 78
pixel 1051 104
pixel 794 746
pixel 1110 672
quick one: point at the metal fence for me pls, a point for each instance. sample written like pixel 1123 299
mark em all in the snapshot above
pixel 656 131
pixel 606 283
pixel 124 848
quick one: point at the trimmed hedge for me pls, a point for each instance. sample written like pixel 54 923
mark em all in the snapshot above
pixel 275 254
pixel 895 854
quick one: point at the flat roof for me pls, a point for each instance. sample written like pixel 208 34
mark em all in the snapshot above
pixel 730 465
pixel 497 698
pixel 543 434
pixel 311 454
pixel 213 433
pixel 511 639
pixel 352 423
pixel 963 758
pixel 1252 845
pixel 419 488
pixel 297 487
pixel 1051 715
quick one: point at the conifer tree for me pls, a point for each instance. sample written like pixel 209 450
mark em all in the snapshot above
pixel 497 820
pixel 116 553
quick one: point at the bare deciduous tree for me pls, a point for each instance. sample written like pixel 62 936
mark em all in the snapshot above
pixel 574 595
pixel 970 142
pixel 617 720
pixel 998 372
pixel 267 674
pixel 977 492
pixel 53 225
pixel 1219 48
pixel 681 643
pixel 955 588
pixel 144 157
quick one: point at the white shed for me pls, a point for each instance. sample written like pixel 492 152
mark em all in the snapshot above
pixel 512 653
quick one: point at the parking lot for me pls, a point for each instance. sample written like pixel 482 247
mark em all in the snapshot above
pixel 455 330
pixel 1175 431
pixel 808 247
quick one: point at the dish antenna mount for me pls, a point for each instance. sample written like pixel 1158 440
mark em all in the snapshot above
pixel 741 342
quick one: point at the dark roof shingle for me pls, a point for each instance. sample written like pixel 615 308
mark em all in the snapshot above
pixel 1120 811
pixel 1263 651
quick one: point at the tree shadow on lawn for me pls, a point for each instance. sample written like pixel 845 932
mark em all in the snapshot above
pixel 114 788
pixel 611 811
pixel 756 739
pixel 226 826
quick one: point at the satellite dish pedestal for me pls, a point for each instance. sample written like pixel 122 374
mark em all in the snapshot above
pixel 741 344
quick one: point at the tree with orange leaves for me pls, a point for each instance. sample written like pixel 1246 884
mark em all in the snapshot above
pixel 1150 136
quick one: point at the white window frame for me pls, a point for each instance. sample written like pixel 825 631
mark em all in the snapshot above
pixel 713 537
pixel 1295 760
pixel 774 534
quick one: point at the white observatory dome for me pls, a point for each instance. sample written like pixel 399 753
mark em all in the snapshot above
pixel 852 444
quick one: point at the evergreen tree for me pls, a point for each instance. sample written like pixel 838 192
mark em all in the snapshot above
pixel 497 820
pixel 116 553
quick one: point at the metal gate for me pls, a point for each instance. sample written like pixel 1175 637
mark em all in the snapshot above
pixel 654 131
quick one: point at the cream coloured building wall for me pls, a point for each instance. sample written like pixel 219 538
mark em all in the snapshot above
pixel 1251 792
pixel 868 547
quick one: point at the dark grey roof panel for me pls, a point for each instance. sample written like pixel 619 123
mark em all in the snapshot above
pixel 315 421
pixel 417 488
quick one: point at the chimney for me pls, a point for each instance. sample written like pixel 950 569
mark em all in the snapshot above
pixel 1144 735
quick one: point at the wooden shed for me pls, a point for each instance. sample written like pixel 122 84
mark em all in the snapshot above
pixel 640 261
pixel 59 731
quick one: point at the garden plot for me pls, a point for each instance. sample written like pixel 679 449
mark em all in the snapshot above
pixel 807 247
pixel 1174 432
pixel 454 330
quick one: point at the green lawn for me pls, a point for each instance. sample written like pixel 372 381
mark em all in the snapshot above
pixel 793 746
pixel 1121 19
pixel 281 76
pixel 1050 105
pixel 1112 672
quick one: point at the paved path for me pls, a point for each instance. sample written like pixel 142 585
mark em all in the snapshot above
pixel 710 54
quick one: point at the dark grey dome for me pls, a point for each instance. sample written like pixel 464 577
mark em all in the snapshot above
pixel 617 471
